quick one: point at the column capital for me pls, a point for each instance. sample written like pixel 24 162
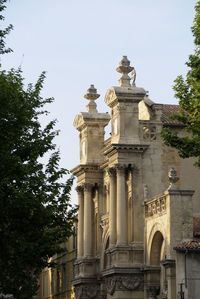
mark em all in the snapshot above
pixel 88 186
pixel 79 189
pixel 111 171
pixel 120 168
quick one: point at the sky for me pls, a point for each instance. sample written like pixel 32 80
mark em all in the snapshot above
pixel 79 43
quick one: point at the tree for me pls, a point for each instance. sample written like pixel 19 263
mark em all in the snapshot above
pixel 188 92
pixel 5 32
pixel 35 211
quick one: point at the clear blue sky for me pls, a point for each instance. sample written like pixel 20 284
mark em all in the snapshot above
pixel 81 42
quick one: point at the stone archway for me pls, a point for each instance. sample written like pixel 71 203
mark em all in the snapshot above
pixel 156 249
pixel 157 255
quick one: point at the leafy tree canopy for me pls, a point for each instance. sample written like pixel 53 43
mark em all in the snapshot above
pixel 188 92
pixel 4 32
pixel 35 211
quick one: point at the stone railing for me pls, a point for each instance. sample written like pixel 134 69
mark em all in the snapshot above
pixel 155 206
pixel 148 131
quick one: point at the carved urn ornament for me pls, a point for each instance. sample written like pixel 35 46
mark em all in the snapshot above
pixel 124 68
pixel 173 178
pixel 91 95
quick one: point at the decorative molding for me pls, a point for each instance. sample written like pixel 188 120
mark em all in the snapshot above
pixel 133 148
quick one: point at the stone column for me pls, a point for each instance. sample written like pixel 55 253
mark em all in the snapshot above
pixel 112 207
pixel 87 235
pixel 122 235
pixel 79 190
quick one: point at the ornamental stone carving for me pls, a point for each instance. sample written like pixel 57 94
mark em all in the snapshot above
pixel 78 121
pixel 131 283
pixel 110 97
pixel 155 206
pixel 111 171
pixel 91 291
pixel 124 283
pixel 173 178
pixel 111 285
pixel 78 292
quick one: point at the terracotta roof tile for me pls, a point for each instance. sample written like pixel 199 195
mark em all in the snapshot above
pixel 193 245
pixel 168 110
pixel 196 226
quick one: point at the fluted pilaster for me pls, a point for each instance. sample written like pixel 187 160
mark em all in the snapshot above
pixel 79 190
pixel 87 235
pixel 112 207
pixel 122 235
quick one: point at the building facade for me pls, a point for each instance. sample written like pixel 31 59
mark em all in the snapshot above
pixel 136 200
pixel 55 283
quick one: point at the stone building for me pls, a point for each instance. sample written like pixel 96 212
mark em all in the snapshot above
pixel 55 283
pixel 137 203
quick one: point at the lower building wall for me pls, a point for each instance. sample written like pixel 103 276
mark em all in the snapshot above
pixel 188 274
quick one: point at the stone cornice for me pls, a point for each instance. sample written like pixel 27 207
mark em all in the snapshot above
pixel 85 118
pixel 126 94
pixel 80 169
pixel 179 192
pixel 114 148
pixel 122 270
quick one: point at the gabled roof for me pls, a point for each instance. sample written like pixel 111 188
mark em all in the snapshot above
pixel 167 111
pixel 193 245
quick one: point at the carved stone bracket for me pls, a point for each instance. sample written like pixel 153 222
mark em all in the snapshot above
pixel 78 291
pixel 111 285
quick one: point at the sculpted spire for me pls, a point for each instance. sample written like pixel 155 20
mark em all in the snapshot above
pixel 124 68
pixel 92 95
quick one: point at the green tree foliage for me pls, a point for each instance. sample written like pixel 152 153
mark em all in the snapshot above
pixel 35 211
pixel 188 92
pixel 4 32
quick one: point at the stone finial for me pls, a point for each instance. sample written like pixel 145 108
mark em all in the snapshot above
pixel 91 95
pixel 124 68
pixel 173 178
